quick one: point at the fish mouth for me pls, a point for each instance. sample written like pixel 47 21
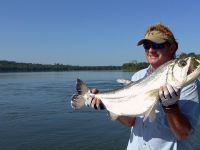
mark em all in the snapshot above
pixel 194 67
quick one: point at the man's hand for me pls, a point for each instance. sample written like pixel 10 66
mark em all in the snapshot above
pixel 169 95
pixel 95 102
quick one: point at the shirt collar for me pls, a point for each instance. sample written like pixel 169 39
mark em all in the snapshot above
pixel 149 70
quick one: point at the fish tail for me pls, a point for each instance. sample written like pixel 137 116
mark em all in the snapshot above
pixel 112 115
pixel 81 87
pixel 78 99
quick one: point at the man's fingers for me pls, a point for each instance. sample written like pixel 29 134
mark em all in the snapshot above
pixel 94 91
pixel 98 103
pixel 169 95
pixel 95 103
pixel 166 92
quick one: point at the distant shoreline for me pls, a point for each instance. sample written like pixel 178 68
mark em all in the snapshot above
pixel 64 71
pixel 12 66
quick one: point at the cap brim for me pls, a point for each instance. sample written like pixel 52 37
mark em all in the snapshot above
pixel 158 41
pixel 142 41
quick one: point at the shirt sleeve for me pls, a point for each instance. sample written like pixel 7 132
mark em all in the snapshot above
pixel 139 75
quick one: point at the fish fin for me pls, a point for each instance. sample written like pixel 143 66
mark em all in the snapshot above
pixel 124 81
pixel 78 100
pixel 112 115
pixel 151 114
pixel 153 93
pixel 81 87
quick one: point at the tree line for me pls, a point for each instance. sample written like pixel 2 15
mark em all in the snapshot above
pixel 135 66
pixel 12 66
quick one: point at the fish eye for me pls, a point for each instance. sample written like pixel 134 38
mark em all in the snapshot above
pixel 182 63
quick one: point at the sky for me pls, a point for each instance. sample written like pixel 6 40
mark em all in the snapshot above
pixel 91 32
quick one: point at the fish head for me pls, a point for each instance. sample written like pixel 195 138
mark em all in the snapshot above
pixel 183 71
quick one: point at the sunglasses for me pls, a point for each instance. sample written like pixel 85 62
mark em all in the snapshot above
pixel 153 46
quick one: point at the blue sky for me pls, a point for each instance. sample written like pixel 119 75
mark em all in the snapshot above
pixel 91 32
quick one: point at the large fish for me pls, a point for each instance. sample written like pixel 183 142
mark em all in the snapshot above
pixel 140 97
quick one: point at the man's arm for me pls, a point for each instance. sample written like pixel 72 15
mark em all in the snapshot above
pixel 127 121
pixel 178 124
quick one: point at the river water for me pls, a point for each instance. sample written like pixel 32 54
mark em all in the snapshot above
pixel 35 113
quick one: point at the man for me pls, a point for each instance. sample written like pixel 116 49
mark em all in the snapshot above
pixel 178 114
pixel 177 119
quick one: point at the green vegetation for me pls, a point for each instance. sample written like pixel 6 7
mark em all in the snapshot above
pixel 12 66
pixel 182 55
pixel 134 66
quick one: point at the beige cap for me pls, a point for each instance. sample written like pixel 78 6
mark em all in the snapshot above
pixel 156 37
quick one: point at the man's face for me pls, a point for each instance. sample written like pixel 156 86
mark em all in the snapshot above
pixel 157 54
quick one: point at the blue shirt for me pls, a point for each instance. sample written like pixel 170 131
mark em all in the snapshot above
pixel 157 135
